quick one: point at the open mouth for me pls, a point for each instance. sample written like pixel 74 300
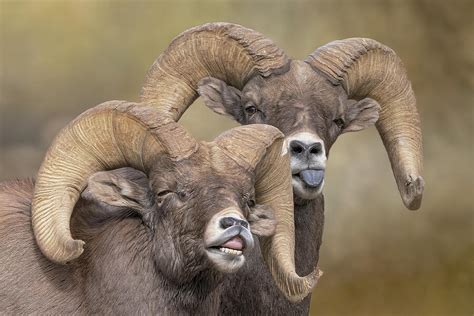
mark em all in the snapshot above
pixel 234 246
pixel 311 178
pixel 227 240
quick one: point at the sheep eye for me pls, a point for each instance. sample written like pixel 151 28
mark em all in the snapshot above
pixel 251 203
pixel 163 193
pixel 252 109
pixel 161 196
pixel 339 122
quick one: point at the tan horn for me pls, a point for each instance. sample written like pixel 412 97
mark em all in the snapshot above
pixel 367 68
pixel 226 51
pixel 109 136
pixel 259 148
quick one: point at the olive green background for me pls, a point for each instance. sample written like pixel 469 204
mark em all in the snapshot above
pixel 58 58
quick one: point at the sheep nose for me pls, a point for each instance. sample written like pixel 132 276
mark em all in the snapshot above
pixel 227 222
pixel 299 148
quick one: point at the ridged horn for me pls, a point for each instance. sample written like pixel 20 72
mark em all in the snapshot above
pixel 367 68
pixel 109 136
pixel 259 149
pixel 226 51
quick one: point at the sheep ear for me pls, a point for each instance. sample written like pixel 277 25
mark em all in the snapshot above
pixel 124 188
pixel 262 221
pixel 221 98
pixel 360 114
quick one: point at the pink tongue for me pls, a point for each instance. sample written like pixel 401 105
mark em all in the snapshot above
pixel 235 243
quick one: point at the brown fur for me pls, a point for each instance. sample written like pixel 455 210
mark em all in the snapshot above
pixel 143 257
pixel 298 100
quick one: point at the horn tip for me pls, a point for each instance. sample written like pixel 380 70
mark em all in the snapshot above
pixel 311 281
pixel 73 249
pixel 317 273
pixel 413 193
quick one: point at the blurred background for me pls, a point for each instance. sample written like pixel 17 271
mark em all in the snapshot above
pixel 58 58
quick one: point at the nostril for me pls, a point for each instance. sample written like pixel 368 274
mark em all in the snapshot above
pixel 296 147
pixel 316 149
pixel 227 222
pixel 243 223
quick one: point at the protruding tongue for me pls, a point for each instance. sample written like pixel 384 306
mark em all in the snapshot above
pixel 235 243
pixel 311 177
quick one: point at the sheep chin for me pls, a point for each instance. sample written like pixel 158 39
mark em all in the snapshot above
pixel 225 260
pixel 303 191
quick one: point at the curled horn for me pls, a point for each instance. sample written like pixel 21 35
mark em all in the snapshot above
pixel 226 51
pixel 366 68
pixel 259 149
pixel 111 135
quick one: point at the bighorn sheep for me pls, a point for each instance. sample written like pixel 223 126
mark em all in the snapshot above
pixel 343 86
pixel 152 245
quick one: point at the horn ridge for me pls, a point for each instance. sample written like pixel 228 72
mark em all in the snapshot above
pixel 346 52
pixel 226 51
pixel 93 142
pixel 367 68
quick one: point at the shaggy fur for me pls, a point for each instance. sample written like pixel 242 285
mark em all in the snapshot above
pixel 144 260
pixel 299 100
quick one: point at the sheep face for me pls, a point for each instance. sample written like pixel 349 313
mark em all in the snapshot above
pixel 201 216
pixel 305 106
